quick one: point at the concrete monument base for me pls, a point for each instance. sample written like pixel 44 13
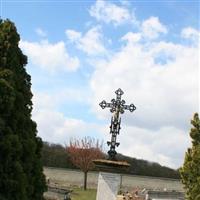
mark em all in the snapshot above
pixel 109 180
pixel 108 186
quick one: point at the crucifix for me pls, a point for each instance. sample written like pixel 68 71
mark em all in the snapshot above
pixel 117 107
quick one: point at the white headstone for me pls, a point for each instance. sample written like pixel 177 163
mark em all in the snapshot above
pixel 108 186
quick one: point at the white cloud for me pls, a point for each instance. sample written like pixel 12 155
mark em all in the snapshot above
pixel 157 146
pixel 73 36
pixel 111 13
pixel 131 37
pixel 43 100
pixel 152 27
pixel 41 32
pixel 160 91
pixel 165 94
pixel 51 57
pixel 91 42
pixel 53 126
pixel 190 33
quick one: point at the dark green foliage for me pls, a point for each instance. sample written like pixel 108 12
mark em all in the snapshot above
pixel 190 172
pixel 55 155
pixel 21 175
pixel 146 168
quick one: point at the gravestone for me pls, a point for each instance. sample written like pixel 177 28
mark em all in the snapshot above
pixel 108 186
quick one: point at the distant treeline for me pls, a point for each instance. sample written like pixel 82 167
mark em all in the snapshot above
pixel 146 168
pixel 55 155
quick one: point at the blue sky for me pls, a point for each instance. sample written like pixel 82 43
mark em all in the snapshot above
pixel 80 52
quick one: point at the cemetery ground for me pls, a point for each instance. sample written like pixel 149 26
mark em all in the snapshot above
pixel 80 194
pixel 66 179
pixel 77 194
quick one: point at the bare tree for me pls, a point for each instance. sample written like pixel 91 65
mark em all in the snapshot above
pixel 82 152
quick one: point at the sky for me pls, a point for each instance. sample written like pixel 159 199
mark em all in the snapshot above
pixel 81 52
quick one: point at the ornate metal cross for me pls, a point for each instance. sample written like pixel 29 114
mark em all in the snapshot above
pixel 116 106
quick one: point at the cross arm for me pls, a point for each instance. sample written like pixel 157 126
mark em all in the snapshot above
pixel 130 107
pixel 104 104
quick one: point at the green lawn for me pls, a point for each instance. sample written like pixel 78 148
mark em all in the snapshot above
pixel 80 194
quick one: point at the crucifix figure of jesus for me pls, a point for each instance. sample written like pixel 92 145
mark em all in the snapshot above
pixel 117 107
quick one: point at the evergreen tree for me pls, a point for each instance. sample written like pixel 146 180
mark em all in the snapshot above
pixel 21 172
pixel 190 172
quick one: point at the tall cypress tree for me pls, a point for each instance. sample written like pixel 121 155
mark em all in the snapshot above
pixel 21 173
pixel 190 172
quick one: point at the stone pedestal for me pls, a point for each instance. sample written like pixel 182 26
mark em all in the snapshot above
pixel 108 186
pixel 109 178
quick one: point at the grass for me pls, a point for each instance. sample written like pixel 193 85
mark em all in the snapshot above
pixel 80 194
pixel 77 194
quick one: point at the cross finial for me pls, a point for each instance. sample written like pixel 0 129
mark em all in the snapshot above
pixel 116 106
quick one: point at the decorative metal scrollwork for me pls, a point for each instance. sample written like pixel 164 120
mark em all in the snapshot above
pixel 117 106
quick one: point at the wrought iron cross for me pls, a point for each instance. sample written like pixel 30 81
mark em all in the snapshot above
pixel 117 106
